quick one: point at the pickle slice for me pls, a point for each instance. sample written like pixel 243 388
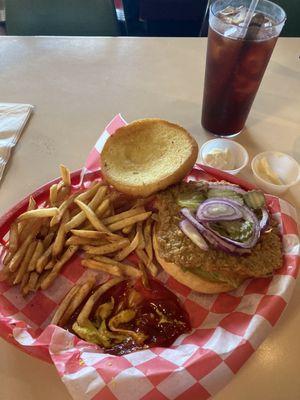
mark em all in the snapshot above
pixel 255 199
pixel 238 230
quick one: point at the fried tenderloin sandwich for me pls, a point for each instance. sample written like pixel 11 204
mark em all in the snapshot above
pixel 210 236
pixel 213 236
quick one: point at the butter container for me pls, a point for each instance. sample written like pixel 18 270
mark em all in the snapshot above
pixel 224 154
pixel 281 165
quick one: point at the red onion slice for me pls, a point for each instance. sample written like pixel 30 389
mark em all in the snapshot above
pixel 263 223
pixel 226 186
pixel 248 215
pixel 219 209
pixel 191 232
pixel 211 237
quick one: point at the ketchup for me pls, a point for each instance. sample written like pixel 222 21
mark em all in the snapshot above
pixel 159 315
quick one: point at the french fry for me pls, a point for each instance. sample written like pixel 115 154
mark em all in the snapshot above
pixel 149 264
pixel 127 229
pixel 38 213
pixel 148 239
pixel 13 237
pixel 60 185
pixel 25 262
pixel 111 237
pixel 77 299
pixel 103 208
pixel 126 269
pixel 132 233
pixel 63 192
pixel 24 282
pixel 89 193
pixel 36 255
pixel 79 218
pixel 48 240
pixel 104 259
pixel 106 213
pixel 30 286
pixel 63 208
pixel 87 226
pixel 139 229
pixel 69 252
pixel 106 248
pixel 49 265
pixel 100 266
pixel 87 308
pixel 74 211
pixel 44 228
pixel 116 226
pixel 89 234
pixel 30 227
pixel 42 277
pixel 53 194
pixel 145 279
pixel 130 271
pixel 43 259
pixel 7 258
pixel 59 241
pixel 65 175
pixel 18 256
pixel 91 216
pixel 81 241
pixel 111 209
pixel 123 215
pixel 31 206
pixel 64 305
pixel 121 255
pixel 98 198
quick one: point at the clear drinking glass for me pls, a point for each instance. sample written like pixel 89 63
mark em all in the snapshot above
pixel 237 56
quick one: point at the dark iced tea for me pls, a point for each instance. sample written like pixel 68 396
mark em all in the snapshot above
pixel 234 70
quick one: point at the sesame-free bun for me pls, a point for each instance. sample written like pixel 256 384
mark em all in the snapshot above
pixel 148 155
pixel 193 281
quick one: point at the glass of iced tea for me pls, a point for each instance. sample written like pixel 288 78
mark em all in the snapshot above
pixel 240 44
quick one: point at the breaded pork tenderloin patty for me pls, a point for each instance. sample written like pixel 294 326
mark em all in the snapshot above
pixel 211 271
pixel 148 155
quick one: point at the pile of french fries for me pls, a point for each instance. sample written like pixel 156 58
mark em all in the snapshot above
pixel 98 221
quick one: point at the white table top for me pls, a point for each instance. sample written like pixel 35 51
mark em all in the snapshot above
pixel 77 85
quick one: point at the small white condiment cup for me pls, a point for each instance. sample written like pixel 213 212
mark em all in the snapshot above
pixel 287 169
pixel 237 151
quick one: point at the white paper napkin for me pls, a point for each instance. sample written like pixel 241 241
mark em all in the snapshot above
pixel 13 118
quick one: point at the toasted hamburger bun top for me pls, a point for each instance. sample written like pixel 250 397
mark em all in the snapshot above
pixel 148 155
pixel 187 278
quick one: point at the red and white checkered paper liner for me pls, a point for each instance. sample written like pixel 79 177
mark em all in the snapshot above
pixel 227 328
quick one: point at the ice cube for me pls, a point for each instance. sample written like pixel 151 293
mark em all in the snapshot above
pixel 268 23
pixel 231 32
pixel 229 10
pixel 233 15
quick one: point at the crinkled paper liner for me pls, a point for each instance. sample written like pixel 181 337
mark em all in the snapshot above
pixel 226 328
